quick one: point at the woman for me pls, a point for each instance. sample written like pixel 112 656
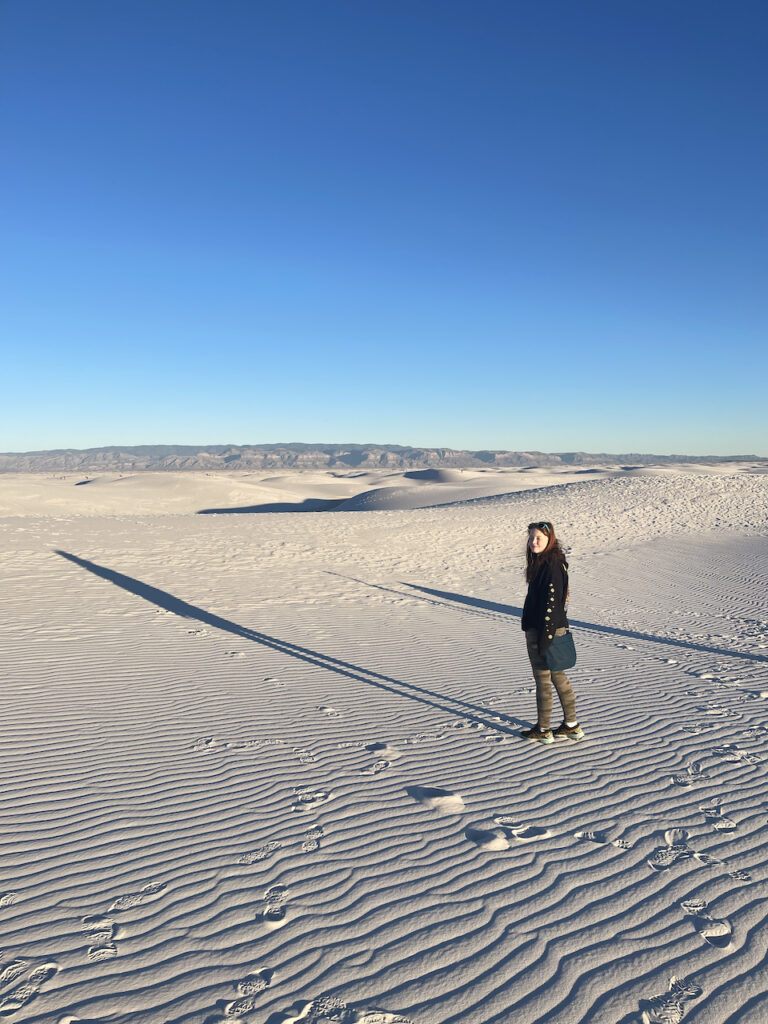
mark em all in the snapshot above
pixel 546 572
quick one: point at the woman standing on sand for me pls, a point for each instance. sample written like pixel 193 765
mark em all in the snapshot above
pixel 544 618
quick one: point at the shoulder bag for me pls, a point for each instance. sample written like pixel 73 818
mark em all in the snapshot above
pixel 561 653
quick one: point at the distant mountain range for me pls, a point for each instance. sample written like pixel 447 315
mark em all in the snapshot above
pixel 160 457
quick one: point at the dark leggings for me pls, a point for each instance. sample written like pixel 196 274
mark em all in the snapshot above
pixel 544 680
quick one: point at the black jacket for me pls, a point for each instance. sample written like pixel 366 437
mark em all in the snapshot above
pixel 544 608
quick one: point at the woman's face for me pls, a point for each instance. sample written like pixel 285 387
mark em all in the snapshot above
pixel 537 541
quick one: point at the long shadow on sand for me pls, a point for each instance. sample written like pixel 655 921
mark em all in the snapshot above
pixel 483 607
pixel 163 599
pixel 508 609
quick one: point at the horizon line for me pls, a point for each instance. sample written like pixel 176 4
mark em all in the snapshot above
pixel 320 445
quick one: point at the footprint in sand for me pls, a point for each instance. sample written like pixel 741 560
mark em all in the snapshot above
pixel 248 989
pixel 101 932
pixel 207 743
pixel 384 750
pixel 755 732
pixel 7 899
pixel 506 834
pixel 312 839
pixel 730 752
pixel 491 702
pixel 329 711
pixel 694 774
pixel 379 1017
pixel 235 654
pixel 256 982
pixel 693 906
pixel 308 799
pixel 707 860
pixel 489 839
pixel 150 892
pixel 740 876
pixel 23 994
pixel 305 756
pixel 676 849
pixel 386 755
pixel 273 680
pixel 601 838
pixel 197 632
pixel 274 906
pixel 713 930
pixel 12 971
pixel 441 800
pixel 714 816
pixel 331 1008
pixel 718 711
pixel 261 853
pixel 697 728
pixel 746 696
pixel 473 726
pixel 424 737
pixel 522 833
pixel 244 744
pixel 670 1007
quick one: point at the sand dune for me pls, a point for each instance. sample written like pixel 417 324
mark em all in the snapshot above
pixel 265 768
pixel 170 493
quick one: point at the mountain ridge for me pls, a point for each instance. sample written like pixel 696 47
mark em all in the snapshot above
pixel 304 455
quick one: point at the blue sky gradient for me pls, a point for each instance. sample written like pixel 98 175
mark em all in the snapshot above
pixel 482 225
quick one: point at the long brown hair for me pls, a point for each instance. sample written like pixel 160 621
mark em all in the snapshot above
pixel 552 553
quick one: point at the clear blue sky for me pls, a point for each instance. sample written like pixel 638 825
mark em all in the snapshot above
pixel 483 224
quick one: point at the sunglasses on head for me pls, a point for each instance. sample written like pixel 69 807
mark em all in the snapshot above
pixel 539 526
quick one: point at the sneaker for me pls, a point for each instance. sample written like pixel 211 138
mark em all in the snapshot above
pixel 537 734
pixel 565 732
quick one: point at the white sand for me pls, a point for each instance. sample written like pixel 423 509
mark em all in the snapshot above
pixel 188 492
pixel 264 767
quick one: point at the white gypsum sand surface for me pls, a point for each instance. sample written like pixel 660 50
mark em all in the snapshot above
pixel 172 493
pixel 265 767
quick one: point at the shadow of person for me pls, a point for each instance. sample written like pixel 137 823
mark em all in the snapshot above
pixel 162 599
pixel 512 610
pixel 438 597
